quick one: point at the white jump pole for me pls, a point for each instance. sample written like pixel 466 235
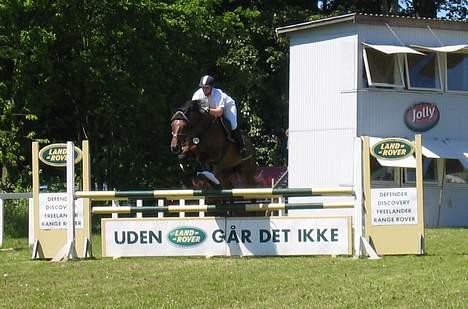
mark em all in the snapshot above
pixel 68 252
pixel 358 234
pixel 71 231
pixel 1 222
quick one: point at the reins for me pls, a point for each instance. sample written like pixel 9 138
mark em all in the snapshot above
pixel 201 133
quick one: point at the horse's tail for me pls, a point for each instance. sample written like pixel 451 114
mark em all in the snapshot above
pixel 249 166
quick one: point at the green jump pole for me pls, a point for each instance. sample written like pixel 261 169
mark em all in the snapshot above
pixel 201 194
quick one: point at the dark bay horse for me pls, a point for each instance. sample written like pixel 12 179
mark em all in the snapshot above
pixel 196 134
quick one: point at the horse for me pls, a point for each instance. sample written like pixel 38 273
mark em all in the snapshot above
pixel 196 134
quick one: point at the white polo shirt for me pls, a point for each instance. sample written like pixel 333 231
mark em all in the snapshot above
pixel 219 98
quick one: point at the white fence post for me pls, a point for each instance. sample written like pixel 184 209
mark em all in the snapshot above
pixel 3 198
pixel 1 223
pixel 31 236
pixel 160 203
pixel 115 203
pixel 139 203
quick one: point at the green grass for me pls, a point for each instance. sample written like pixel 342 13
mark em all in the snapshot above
pixel 438 279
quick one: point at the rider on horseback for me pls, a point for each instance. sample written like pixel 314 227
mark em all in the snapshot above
pixel 220 104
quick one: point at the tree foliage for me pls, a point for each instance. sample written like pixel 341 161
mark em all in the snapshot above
pixel 112 72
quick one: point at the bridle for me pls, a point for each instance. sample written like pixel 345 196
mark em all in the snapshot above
pixel 182 140
pixel 179 115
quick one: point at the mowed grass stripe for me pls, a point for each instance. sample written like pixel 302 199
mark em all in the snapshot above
pixel 436 280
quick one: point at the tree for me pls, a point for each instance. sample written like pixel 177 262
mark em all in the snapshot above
pixel 419 8
pixel 113 71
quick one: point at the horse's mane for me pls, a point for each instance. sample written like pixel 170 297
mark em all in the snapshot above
pixel 183 111
pixel 189 105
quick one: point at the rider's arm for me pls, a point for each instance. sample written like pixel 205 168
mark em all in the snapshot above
pixel 217 111
pixel 221 98
pixel 198 95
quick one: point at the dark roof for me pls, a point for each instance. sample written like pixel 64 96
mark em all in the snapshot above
pixel 375 19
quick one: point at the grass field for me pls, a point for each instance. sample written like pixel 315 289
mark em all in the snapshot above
pixel 438 279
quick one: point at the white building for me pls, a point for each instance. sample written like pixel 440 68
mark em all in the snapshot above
pixel 382 76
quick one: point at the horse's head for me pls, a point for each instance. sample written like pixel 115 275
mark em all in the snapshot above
pixel 184 125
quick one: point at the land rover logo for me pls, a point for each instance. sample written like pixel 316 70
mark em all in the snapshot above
pixel 186 236
pixel 392 149
pixel 56 154
pixel 422 117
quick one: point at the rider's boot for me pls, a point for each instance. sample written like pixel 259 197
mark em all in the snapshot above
pixel 237 135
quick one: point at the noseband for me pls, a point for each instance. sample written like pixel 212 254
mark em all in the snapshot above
pixel 180 115
pixel 191 136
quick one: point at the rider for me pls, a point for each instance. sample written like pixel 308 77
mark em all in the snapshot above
pixel 221 104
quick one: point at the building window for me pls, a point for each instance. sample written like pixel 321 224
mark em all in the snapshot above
pixel 455 172
pixel 429 172
pixel 382 173
pixel 423 71
pixel 457 72
pixel 382 70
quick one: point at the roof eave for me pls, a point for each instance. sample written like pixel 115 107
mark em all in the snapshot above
pixel 316 23
pixel 398 21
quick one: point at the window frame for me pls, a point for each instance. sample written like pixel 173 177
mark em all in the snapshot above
pixel 425 181
pixel 384 183
pixel 399 65
pixel 446 71
pixel 453 184
pixel 438 66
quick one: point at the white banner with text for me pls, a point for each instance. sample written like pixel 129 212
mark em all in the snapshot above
pixel 53 211
pixel 226 236
pixel 394 206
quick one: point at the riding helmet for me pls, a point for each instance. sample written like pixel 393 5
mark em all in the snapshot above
pixel 206 80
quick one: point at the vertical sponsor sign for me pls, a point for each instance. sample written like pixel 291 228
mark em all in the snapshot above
pixel 53 211
pixel 394 206
pixel 394 219
pixel 50 210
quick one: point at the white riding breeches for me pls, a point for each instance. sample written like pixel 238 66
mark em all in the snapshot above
pixel 230 113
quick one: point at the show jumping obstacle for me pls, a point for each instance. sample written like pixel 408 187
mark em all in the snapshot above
pixel 228 200
pixel 303 231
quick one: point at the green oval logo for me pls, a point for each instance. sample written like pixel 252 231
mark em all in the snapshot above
pixel 56 154
pixel 392 149
pixel 186 236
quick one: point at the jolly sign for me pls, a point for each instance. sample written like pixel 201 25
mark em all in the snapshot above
pixel 422 117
